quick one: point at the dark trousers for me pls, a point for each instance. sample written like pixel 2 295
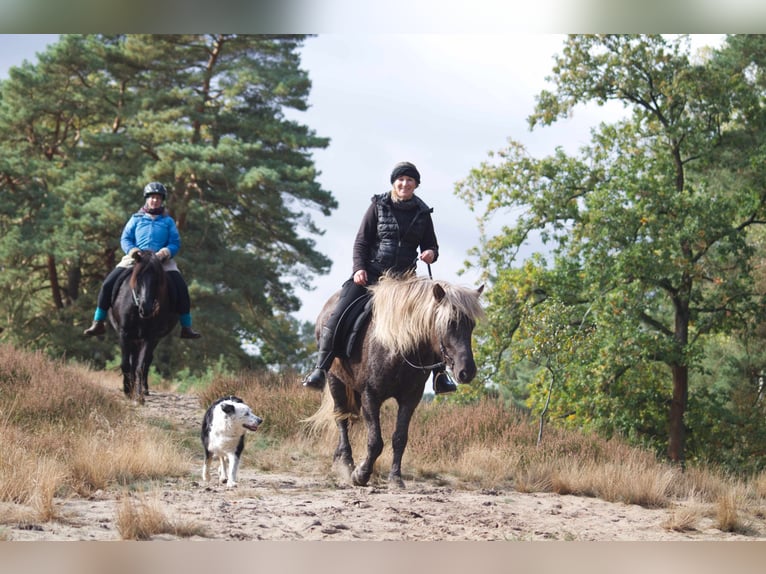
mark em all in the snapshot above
pixel 107 288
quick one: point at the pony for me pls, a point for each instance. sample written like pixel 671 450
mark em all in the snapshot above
pixel 416 324
pixel 142 313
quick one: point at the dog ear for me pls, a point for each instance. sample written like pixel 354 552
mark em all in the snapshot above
pixel 228 408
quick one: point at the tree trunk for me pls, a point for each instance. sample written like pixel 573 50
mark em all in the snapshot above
pixel 54 280
pixel 677 439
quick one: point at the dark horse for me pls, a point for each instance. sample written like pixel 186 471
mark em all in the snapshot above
pixel 416 324
pixel 142 313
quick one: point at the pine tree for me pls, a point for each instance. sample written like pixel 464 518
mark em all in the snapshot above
pixel 98 117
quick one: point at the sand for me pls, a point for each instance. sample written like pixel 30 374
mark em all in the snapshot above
pixel 282 507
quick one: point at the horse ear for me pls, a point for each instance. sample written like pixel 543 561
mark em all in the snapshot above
pixel 228 408
pixel 439 292
pixel 480 290
pixel 137 256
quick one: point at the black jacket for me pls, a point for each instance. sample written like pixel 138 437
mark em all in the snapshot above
pixel 391 234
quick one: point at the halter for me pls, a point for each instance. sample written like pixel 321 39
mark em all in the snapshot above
pixel 137 303
pixel 135 297
pixel 438 365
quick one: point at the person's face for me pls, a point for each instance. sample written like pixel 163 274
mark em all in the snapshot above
pixel 404 187
pixel 154 201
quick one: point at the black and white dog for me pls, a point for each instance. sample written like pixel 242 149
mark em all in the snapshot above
pixel 223 435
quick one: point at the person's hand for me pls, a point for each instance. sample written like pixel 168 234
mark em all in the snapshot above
pixel 428 256
pixel 163 254
pixel 360 277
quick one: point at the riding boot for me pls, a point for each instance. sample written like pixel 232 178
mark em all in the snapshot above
pixel 97 328
pixel 443 383
pixel 316 379
pixel 189 333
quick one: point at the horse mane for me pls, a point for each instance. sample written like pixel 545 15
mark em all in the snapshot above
pixel 406 312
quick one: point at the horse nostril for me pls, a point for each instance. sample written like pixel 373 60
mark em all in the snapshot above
pixel 466 375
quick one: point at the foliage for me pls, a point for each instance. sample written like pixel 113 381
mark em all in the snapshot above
pixel 96 118
pixel 647 230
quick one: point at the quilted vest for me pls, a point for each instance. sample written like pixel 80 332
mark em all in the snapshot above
pixel 397 249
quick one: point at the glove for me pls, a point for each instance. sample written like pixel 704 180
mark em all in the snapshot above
pixel 163 254
pixel 126 261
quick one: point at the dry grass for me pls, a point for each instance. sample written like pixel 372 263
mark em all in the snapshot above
pixel 142 519
pixel 67 435
pixel 684 518
pixel 98 461
pixel 728 516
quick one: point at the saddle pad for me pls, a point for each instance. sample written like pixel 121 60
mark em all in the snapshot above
pixel 352 320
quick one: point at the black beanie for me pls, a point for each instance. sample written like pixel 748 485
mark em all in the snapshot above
pixel 405 168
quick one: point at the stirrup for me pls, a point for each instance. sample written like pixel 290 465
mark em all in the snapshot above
pixel 443 383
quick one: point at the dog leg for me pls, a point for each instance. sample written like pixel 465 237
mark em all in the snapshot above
pixel 233 467
pixel 222 469
pixel 206 469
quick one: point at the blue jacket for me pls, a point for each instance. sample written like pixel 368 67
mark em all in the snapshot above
pixel 151 232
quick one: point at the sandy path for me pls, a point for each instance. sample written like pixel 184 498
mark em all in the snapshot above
pixel 283 507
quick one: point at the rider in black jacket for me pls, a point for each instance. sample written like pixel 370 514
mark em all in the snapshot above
pixel 396 224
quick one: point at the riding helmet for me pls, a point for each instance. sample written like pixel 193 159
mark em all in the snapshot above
pixel 155 187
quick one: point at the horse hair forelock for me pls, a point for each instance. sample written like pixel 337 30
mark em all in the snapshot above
pixel 406 312
pixel 147 261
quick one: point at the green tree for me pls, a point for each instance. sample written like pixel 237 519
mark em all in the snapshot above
pixel 646 228
pixel 99 116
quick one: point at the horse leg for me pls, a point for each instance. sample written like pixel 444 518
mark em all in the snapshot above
pixel 371 413
pixel 135 370
pixel 145 357
pixel 342 410
pixel 126 365
pixel 399 441
pixel 342 459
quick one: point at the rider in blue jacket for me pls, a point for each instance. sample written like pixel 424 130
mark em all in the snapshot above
pixel 149 228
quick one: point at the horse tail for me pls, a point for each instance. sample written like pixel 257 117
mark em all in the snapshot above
pixel 327 415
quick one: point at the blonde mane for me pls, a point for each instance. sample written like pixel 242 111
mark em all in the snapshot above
pixel 406 313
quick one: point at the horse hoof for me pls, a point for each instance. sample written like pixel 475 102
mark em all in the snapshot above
pixel 344 471
pixel 396 481
pixel 359 480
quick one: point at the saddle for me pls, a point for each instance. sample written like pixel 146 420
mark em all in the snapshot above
pixel 125 275
pixel 354 317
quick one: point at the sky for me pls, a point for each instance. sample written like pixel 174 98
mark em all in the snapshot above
pixel 441 101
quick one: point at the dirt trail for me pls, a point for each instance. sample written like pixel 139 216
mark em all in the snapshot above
pixel 287 507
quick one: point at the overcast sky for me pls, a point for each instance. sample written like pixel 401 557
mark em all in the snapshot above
pixel 440 101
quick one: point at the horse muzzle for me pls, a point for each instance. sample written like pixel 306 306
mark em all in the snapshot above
pixel 146 311
pixel 466 373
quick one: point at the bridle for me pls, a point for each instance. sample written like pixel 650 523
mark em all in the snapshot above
pixel 446 359
pixel 137 302
pixel 439 365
